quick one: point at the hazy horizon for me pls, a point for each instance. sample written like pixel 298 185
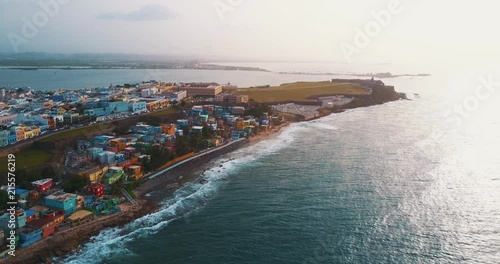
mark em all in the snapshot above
pixel 404 31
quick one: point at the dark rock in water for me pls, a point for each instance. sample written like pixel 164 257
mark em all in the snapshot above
pixel 203 181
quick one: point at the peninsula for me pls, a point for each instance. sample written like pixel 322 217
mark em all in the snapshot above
pixel 113 169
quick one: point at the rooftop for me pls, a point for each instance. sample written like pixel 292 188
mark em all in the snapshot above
pixel 41 182
pixel 61 196
pixel 79 214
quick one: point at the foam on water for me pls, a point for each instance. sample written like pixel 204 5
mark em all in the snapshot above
pixel 112 242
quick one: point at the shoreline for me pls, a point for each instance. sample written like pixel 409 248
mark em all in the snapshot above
pixel 163 185
pixel 65 242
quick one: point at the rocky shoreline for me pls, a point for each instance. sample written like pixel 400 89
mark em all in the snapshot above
pixel 65 242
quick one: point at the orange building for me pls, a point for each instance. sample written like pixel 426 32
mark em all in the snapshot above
pixel 168 129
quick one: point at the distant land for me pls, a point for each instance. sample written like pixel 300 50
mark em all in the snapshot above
pixel 377 75
pixel 37 61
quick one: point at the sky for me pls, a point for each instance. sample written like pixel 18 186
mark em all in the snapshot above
pixel 406 31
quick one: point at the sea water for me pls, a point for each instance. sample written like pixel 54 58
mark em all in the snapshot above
pixel 370 185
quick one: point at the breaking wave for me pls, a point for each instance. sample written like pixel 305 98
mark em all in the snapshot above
pixel 112 243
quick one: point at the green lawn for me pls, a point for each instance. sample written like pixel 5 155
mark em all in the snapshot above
pixel 27 159
pixel 163 112
pixel 301 91
pixel 80 131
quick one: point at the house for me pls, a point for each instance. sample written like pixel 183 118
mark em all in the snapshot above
pixel 96 188
pixel 71 118
pixel 93 174
pixel 7 119
pixel 4 138
pixel 137 107
pixel 29 235
pixel 22 194
pixel 81 216
pixel 135 172
pixel 40 209
pixel 63 201
pixel 114 175
pixel 42 186
pixel 107 157
pixel 168 129
pixel 102 140
pixel 31 215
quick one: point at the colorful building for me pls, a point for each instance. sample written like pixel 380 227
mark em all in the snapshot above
pixel 96 188
pixel 29 235
pixel 113 175
pixel 42 186
pixel 63 201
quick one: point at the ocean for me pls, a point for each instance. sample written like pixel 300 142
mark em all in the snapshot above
pixel 413 181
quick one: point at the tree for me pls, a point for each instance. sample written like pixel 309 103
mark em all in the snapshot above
pixel 182 145
pixel 74 184
pixel 207 132
pixel 259 109
pixel 4 198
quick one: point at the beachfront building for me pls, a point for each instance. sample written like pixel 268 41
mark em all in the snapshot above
pixel 63 201
pixel 80 217
pixel 29 235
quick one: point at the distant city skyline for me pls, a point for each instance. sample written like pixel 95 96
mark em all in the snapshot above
pixel 417 31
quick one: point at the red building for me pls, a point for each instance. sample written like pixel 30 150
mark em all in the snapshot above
pixel 42 185
pixel 49 222
pixel 96 188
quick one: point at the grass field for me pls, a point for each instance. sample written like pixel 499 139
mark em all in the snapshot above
pixel 163 112
pixel 301 91
pixel 28 159
pixel 80 131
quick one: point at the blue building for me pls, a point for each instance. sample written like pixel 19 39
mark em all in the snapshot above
pixel 12 138
pixel 63 201
pixel 57 98
pixel 117 107
pixel 94 112
pixel 137 107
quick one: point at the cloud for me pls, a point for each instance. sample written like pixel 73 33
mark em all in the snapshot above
pixel 151 12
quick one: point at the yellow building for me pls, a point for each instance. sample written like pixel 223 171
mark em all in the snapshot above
pixel 95 174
